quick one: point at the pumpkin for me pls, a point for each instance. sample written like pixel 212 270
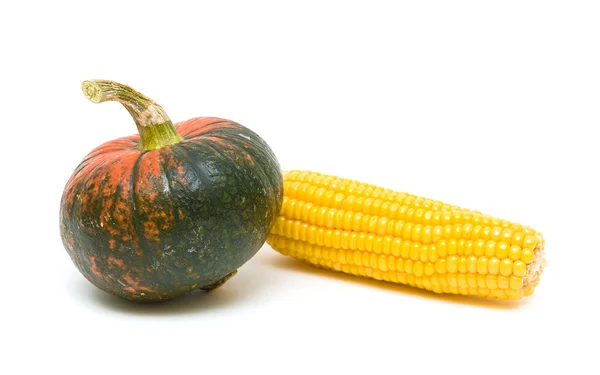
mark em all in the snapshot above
pixel 175 208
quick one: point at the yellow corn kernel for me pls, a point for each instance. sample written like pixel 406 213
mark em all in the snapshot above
pixel 515 252
pixel 426 234
pixel 519 268
pixel 490 249
pixel 429 269
pixel 448 231
pixel 446 217
pixel 391 225
pixel 491 281
pixel 432 253
pixel 494 266
pixel 419 213
pixel 423 254
pixel 472 264
pixel 481 281
pixel 506 267
pixel 400 265
pixel 418 269
pixel 503 282
pixel 378 244
pixel 353 243
pixel 486 233
pixel 496 234
pixel 452 264
pixel 407 232
pixel 415 251
pixel 482 265
pixel 462 265
pixel 467 231
pixel 444 282
pixel 462 281
pixel 440 266
pixel 435 280
pixel 502 250
pixel 416 232
pixel 516 282
pixel 376 206
pixel 518 238
pixel 376 274
pixel 527 255
pixel 384 208
pixel 514 294
pixel 452 246
pixel 419 283
pixel 382 263
pixel 321 216
pixel 391 263
pixel 479 248
pixel 498 293
pixel 357 221
pixel 437 233
pixel 529 241
pixel 472 280
pixel 396 243
pixel 452 280
pixel 427 283
pixel 338 219
pixel 427 217
pixel 405 249
pixel 507 235
pixel 442 248
pixel 461 246
pixel 399 228
pixel 387 245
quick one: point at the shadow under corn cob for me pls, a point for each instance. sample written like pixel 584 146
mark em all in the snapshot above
pixel 365 230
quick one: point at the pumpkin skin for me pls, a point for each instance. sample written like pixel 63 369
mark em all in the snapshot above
pixel 152 225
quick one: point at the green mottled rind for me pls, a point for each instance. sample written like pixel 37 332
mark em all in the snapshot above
pixel 149 226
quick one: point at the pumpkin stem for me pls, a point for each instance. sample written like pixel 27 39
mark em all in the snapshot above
pixel 155 127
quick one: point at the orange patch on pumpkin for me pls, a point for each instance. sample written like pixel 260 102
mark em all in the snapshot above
pixel 151 231
pixel 152 196
pixel 249 158
pixel 134 283
pixel 149 180
pixel 117 210
pixel 197 126
pixel 115 262
pixel 94 267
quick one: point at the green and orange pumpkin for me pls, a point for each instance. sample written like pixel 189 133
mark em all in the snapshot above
pixel 177 207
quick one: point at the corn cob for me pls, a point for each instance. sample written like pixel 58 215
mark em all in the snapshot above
pixel 365 230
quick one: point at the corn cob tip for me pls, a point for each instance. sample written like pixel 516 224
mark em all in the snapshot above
pixel 535 268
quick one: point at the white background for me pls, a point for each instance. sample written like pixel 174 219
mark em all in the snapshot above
pixel 492 106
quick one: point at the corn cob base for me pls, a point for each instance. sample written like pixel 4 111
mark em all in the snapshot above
pixel 368 231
